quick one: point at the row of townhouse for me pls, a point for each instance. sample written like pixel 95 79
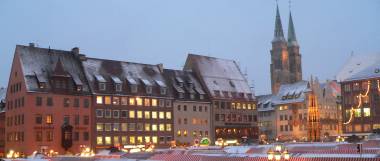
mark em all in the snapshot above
pixel 64 101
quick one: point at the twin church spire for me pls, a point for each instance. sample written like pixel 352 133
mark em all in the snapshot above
pixel 286 65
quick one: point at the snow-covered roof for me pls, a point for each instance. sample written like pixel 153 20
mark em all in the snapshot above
pixel 292 93
pixel 190 83
pixel 360 67
pixel 265 102
pixel 3 94
pixel 219 75
pixel 38 64
pixel 120 71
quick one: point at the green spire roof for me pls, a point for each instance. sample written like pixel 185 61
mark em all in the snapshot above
pixel 278 32
pixel 292 39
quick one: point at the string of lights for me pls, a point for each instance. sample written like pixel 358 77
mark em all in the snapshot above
pixel 360 101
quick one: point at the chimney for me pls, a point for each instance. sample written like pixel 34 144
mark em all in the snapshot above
pixel 75 50
pixel 161 67
pixel 31 45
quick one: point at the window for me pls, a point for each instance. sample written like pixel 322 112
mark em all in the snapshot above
pixel 38 119
pixel 200 108
pixel 66 119
pixel 76 102
pixel 133 88
pixel 139 101
pixel 49 119
pixel 107 100
pixel 107 113
pixel 168 103
pixel 99 126
pixel 115 113
pixel 184 108
pixel 86 120
pixel 116 100
pixel 116 140
pixel 162 127
pixel 123 140
pixel 39 136
pixel 99 99
pixel 179 133
pixel 185 121
pixel 139 114
pixel 131 101
pixel 201 96
pixel 86 103
pixel 149 89
pixel 147 127
pixel 49 101
pixel 86 136
pixel 367 112
pixel 124 126
pixel 118 87
pixel 162 102
pixel 147 139
pixel 168 127
pixel 132 114
pixel 181 95
pixel 139 126
pixel 132 140
pixel 161 115
pixel 107 140
pixel 132 126
pixel 146 114
pixel 154 127
pixel 99 140
pixel 147 102
pixel 124 100
pixel 194 108
pixel 163 91
pixel 66 102
pixel 116 126
pixel 168 115
pixel 76 120
pixel 107 127
pixel 124 114
pixel 154 114
pixel 102 86
pixel 99 113
pixel 357 112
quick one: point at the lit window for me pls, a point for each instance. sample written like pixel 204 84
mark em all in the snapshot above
pixel 185 133
pixel 147 127
pixel 107 140
pixel 139 140
pixel 124 127
pixel 147 115
pixel 116 140
pixel 107 100
pixel 131 101
pixel 168 127
pixel 124 100
pixel 99 99
pixel 154 127
pixel 238 106
pixel 244 107
pixel 132 140
pixel 367 112
pixel 233 105
pixel 179 133
pixel 168 115
pixel 154 114
pixel 154 102
pixel 131 114
pixel 123 140
pixel 99 140
pixel 116 127
pixel 146 102
pixel 49 119
pixel 161 115
pixel 147 139
pixel 162 127
pixel 139 101
pixel 154 139
pixel 116 101
pixel 253 106
pixel 99 127
pixel 357 112
pixel 249 106
pixel 139 114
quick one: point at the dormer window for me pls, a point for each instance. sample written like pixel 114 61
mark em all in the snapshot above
pixel 118 87
pixel 117 82
pixel 179 81
pixel 201 96
pixel 163 91
pixel 192 96
pixel 148 89
pixel 102 86
pixel 42 85
pixel 134 88
pixel 79 88
pixel 41 81
pixel 181 95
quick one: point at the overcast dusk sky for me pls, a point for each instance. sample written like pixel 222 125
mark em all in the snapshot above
pixel 165 31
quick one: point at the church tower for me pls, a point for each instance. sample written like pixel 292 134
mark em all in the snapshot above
pixel 295 67
pixel 279 66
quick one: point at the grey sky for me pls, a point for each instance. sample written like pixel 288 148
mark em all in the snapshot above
pixel 164 31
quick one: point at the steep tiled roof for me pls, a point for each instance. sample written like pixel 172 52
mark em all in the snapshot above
pixel 218 74
pixel 360 67
pixel 39 64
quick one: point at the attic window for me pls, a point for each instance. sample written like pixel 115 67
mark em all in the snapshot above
pixel 179 81
pixel 42 85
pixel 162 87
pixel 201 96
pixel 79 88
pixel 148 89
pixel 377 70
pixel 217 93
pixel 163 90
pixel 118 87
pixel 133 88
pixel 102 86
pixel 181 95
pixel 192 96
